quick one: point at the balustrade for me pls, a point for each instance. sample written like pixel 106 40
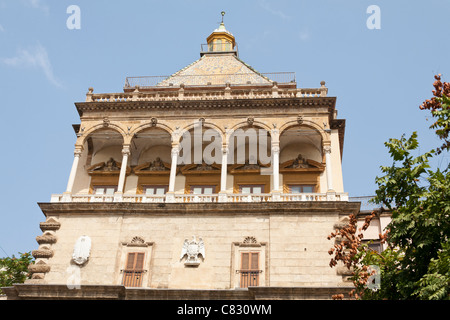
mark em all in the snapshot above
pixel 171 93
pixel 200 198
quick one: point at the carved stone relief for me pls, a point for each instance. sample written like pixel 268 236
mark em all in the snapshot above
pixel 193 249
pixel 81 250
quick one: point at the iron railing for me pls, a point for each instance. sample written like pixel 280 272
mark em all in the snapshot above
pixel 249 278
pixel 210 79
pixel 218 47
pixel 366 204
pixel 132 278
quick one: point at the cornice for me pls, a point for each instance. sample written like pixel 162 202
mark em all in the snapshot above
pixel 208 209
pixel 213 104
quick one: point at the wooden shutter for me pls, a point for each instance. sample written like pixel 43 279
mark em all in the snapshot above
pixel 132 275
pixel 254 262
pixel 245 260
pixel 249 269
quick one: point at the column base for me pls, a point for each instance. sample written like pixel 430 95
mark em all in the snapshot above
pixel 170 197
pixel 118 197
pixel 331 195
pixel 276 195
pixel 223 197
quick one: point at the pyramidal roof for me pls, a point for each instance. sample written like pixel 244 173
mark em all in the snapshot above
pixel 218 66
pixel 216 69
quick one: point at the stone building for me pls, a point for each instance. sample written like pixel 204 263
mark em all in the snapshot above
pixel 217 182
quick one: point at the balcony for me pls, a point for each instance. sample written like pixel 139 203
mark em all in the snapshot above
pixel 201 198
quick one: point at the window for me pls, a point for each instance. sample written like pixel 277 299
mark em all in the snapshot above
pixel 251 189
pixel 203 189
pixel 249 260
pixel 374 245
pixel 155 190
pixel 227 46
pixel 249 269
pixel 132 275
pixel 105 190
pixel 301 188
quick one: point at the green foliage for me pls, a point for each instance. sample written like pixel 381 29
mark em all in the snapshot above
pixel 420 227
pixel 416 263
pixel 14 270
pixel 435 285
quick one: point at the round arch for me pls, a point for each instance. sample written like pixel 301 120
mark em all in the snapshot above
pixel 305 123
pixel 157 125
pixel 206 125
pixel 243 124
pixel 81 140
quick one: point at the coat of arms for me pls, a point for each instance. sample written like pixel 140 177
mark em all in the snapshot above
pixel 81 250
pixel 193 249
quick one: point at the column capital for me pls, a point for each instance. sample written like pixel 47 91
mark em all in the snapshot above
pixel 225 149
pixel 175 150
pixel 78 151
pixel 275 134
pixel 126 150
pixel 275 145
pixel 327 149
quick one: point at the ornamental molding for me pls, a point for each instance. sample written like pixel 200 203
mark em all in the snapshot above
pixel 209 104
pixel 250 240
pixel 137 241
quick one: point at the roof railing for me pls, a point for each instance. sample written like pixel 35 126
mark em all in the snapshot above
pixel 211 79
pixel 218 47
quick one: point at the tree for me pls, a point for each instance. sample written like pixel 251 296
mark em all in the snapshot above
pixel 15 270
pixel 416 263
pixel 439 105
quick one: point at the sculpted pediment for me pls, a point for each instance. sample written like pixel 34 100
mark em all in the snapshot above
pixel 201 168
pixel 301 164
pixel 248 167
pixel 110 167
pixel 154 167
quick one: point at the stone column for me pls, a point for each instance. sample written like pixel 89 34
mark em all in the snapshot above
pixel 123 168
pixel 170 196
pixel 73 172
pixel 327 151
pixel 223 176
pixel 331 194
pixel 276 166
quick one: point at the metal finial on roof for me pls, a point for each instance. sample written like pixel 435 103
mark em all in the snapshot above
pixel 223 13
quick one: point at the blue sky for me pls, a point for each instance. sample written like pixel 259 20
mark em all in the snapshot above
pixel 380 76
